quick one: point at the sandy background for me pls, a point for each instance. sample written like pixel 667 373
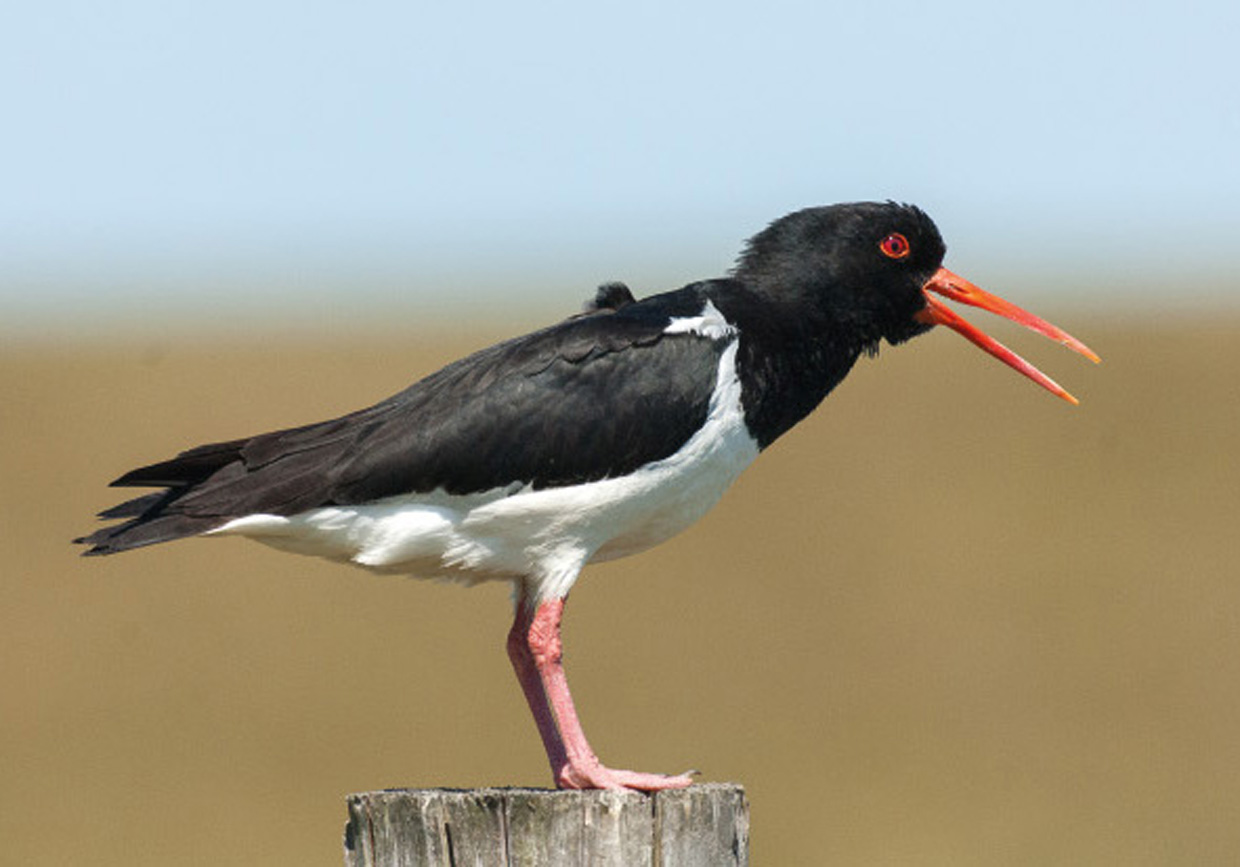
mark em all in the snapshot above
pixel 948 620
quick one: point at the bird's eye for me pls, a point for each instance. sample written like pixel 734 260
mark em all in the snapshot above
pixel 894 246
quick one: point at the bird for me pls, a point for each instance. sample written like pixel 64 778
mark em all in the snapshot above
pixel 597 437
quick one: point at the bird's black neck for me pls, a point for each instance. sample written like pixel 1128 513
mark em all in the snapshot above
pixel 786 364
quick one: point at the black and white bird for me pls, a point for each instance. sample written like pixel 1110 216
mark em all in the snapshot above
pixel 595 438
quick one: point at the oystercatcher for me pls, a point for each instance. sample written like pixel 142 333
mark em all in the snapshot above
pixel 595 438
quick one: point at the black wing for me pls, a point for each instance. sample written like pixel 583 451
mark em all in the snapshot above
pixel 595 396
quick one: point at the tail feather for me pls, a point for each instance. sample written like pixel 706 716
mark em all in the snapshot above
pixel 135 507
pixel 153 517
pixel 143 531
pixel 207 486
pixel 187 468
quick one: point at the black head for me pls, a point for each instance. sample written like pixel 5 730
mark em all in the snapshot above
pixel 861 266
pixel 852 275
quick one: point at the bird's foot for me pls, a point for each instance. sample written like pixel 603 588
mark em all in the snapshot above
pixel 593 775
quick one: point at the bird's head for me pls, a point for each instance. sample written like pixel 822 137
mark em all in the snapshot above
pixel 875 269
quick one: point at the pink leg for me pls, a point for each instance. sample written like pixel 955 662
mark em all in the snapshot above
pixel 527 674
pixel 535 650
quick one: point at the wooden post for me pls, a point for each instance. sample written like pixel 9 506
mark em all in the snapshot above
pixel 702 826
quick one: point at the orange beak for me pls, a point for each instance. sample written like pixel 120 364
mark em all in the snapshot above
pixel 935 312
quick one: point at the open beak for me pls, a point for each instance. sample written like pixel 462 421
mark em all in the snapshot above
pixel 935 312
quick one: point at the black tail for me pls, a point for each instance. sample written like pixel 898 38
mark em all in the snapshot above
pixel 153 517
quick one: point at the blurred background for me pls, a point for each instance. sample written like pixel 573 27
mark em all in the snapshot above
pixel 948 620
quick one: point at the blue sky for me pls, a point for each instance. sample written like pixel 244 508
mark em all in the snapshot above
pixel 162 157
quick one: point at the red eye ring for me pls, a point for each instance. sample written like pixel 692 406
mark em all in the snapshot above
pixel 895 246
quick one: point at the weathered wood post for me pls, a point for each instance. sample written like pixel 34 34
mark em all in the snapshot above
pixel 703 826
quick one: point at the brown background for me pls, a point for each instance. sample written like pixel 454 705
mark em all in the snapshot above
pixel 948 620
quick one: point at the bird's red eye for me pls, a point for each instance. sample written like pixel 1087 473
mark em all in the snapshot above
pixel 894 246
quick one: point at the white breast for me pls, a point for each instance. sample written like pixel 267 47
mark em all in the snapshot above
pixel 544 535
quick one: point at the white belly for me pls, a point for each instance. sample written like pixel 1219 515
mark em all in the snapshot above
pixel 544 536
